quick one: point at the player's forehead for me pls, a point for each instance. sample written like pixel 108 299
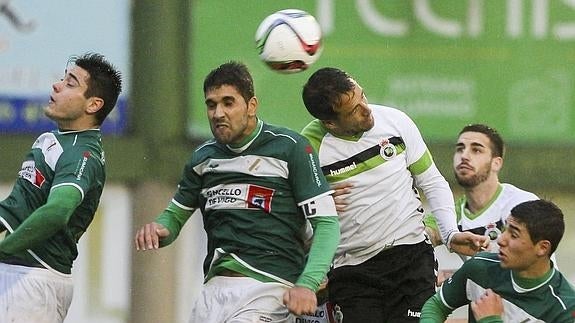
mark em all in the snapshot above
pixel 516 226
pixel 222 92
pixel 78 74
pixel 473 138
pixel 352 97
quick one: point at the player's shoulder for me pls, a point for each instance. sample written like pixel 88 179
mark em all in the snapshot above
pixel 392 120
pixel 284 135
pixel 80 144
pixel 517 195
pixel 314 129
pixel 315 132
pixel 484 259
pixel 204 151
pixel 74 139
pixel 387 111
pixel 564 290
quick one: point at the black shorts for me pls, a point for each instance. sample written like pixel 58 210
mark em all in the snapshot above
pixel 390 287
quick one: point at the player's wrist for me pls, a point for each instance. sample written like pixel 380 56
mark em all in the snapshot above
pixel 490 319
pixel 307 283
pixel 449 240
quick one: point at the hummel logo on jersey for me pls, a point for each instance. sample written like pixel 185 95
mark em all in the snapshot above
pixel 411 313
pixel 343 169
pixel 263 318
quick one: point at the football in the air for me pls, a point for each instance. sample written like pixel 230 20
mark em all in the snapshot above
pixel 289 40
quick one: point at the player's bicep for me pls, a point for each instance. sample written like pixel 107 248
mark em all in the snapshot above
pixel 322 205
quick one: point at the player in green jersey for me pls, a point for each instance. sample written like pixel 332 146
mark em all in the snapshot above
pixel 56 195
pixel 520 283
pixel 256 185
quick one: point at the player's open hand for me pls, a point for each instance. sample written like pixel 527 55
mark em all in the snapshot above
pixel 467 243
pixel 148 237
pixel 300 300
pixel 341 189
pixel 489 304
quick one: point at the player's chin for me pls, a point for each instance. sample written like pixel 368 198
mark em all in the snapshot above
pixel 369 123
pixel 222 135
pixel 503 260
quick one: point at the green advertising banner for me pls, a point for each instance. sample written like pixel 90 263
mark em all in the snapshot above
pixel 507 63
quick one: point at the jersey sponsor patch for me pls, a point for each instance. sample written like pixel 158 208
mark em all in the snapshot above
pixel 323 314
pixel 314 167
pixel 82 165
pixel 260 197
pixel 239 196
pixel 30 173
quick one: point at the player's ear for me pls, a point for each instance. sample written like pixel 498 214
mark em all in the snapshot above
pixel 496 163
pixel 543 248
pixel 252 106
pixel 329 124
pixel 94 104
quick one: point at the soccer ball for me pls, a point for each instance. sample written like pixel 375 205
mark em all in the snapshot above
pixel 289 40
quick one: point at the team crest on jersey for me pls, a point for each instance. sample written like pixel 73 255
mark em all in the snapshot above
pixel 387 150
pixel 492 231
pixel 32 174
pixel 260 198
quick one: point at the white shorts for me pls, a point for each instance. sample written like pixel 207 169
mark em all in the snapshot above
pixel 36 295
pixel 240 300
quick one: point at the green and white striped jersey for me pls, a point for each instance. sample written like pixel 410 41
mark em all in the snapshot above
pixel 73 158
pixel 255 200
pixel 548 299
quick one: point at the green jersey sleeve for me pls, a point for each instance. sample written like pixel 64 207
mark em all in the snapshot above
pixel 325 241
pixel 173 218
pixel 43 223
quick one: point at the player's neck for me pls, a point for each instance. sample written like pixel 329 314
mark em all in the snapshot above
pixel 540 270
pixel 78 124
pixel 479 196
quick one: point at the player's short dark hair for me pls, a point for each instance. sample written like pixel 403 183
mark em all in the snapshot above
pixel 323 92
pixel 497 144
pixel 105 81
pixel 232 73
pixel 543 220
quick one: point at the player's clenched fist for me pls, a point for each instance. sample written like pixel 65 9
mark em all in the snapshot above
pixel 300 300
pixel 148 236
